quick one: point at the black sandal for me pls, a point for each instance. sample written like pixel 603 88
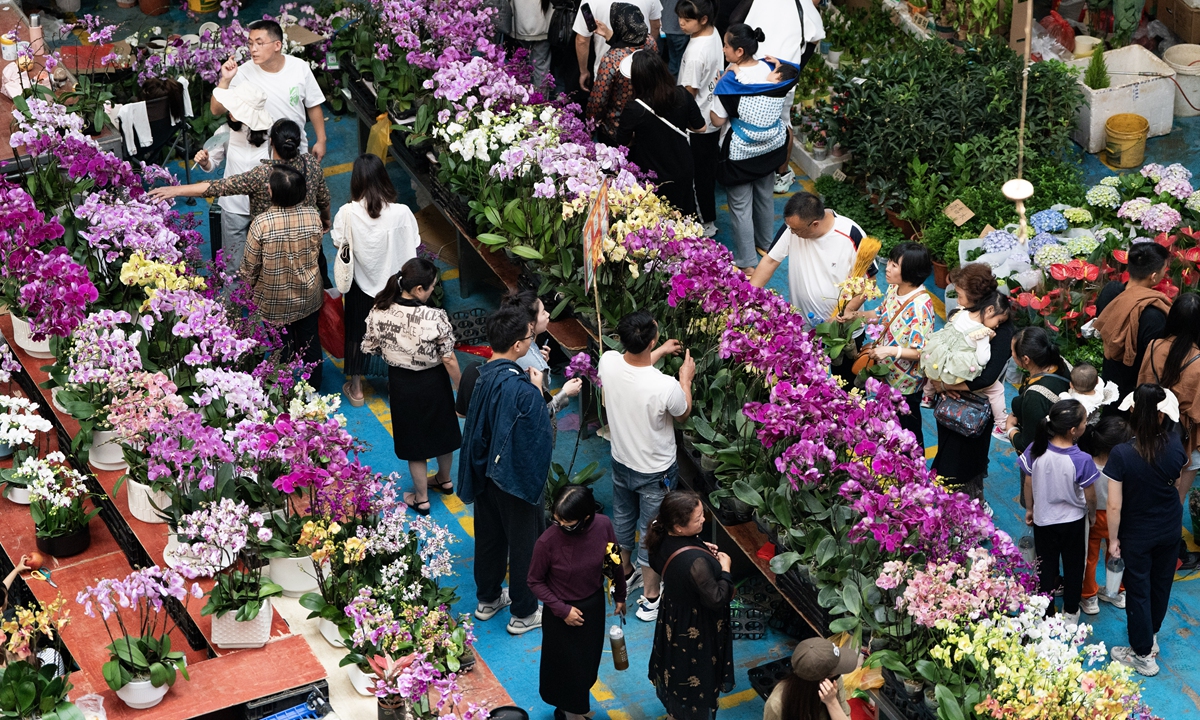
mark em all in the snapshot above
pixel 416 506
pixel 446 488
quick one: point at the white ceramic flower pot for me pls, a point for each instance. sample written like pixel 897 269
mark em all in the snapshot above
pixel 360 680
pixel 296 576
pixel 22 338
pixel 143 500
pixel 141 694
pixel 106 452
pixel 54 401
pixel 330 632
pixel 227 632
pixel 17 494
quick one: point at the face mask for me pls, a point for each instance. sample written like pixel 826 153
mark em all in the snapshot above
pixel 573 528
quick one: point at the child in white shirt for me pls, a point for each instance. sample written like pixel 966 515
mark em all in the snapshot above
pixel 1090 390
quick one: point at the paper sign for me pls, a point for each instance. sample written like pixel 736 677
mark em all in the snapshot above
pixel 958 212
pixel 987 230
pixel 594 230
pixel 839 175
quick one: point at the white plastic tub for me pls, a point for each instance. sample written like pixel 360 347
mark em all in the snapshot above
pixel 1185 61
pixel 1151 96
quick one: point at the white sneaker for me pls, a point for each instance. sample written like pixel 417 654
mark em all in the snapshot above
pixel 710 229
pixel 520 626
pixel 647 610
pixel 1142 664
pixel 1117 601
pixel 1089 605
pixel 1154 648
pixel 783 183
pixel 634 580
pixel 485 611
pixel 999 434
pixel 1071 619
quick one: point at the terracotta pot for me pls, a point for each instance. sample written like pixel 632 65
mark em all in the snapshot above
pixel 66 545
pixel 916 11
pixel 941 274
pixel 902 225
pixel 154 7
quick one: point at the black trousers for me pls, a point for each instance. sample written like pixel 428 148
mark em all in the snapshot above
pixel 1149 573
pixel 357 307
pixel 706 148
pixel 506 528
pixel 302 339
pixel 1065 542
pixel 912 420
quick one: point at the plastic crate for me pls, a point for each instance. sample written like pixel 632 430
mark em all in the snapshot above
pixel 764 678
pixel 300 712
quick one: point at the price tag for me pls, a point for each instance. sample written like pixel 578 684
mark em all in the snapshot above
pixel 858 80
pixel 331 61
pixel 839 175
pixel 958 212
pixel 987 230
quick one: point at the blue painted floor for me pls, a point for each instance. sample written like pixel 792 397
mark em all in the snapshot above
pixel 628 695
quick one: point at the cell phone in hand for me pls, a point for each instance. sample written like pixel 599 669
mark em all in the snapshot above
pixel 588 17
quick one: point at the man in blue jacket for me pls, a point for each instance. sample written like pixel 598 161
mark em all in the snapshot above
pixel 502 469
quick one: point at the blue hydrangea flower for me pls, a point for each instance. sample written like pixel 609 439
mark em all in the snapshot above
pixel 1048 221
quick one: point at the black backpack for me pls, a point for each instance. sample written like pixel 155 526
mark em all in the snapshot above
pixel 561 35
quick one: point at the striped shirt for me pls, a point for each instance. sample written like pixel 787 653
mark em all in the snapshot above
pixel 281 263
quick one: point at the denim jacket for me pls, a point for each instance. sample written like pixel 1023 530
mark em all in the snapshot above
pixel 506 437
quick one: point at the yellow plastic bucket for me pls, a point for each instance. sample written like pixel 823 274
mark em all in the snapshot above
pixel 203 6
pixel 1125 140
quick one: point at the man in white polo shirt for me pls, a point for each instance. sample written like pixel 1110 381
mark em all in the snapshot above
pixel 821 247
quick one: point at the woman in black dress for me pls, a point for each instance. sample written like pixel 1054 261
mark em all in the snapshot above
pixel 963 460
pixel 567 575
pixel 691 663
pixel 417 342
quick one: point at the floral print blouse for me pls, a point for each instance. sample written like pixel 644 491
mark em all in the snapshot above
pixel 907 323
pixel 610 89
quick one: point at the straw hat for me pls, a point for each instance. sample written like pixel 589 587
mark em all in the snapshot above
pixel 247 104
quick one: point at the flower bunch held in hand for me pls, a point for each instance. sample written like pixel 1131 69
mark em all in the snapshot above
pixel 138 630
pixel 56 492
pixel 227 532
pixel 20 421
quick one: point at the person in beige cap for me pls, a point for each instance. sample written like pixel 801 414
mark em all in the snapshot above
pixel 814 689
pixel 242 144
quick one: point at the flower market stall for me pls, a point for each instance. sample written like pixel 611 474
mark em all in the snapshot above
pixel 158 353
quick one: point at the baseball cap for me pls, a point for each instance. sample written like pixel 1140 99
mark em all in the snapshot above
pixel 816 659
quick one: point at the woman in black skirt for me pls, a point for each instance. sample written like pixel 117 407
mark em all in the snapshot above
pixel 382 235
pixel 566 574
pixel 417 342
pixel 691 662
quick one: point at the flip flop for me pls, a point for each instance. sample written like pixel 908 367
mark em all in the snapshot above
pixel 416 506
pixel 350 398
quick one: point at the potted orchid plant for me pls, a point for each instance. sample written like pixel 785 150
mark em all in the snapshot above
pixel 19 425
pixel 142 667
pixel 150 401
pixel 228 540
pixel 34 681
pixel 57 493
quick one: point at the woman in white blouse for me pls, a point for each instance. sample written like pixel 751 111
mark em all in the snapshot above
pixel 383 236
pixel 417 342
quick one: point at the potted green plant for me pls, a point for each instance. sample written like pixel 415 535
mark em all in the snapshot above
pixel 57 493
pixel 142 667
pixel 87 100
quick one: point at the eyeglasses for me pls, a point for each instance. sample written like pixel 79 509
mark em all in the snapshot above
pixel 571 528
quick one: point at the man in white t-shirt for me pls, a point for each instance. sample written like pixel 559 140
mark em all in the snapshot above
pixel 821 247
pixel 291 89
pixel 642 404
pixel 651 11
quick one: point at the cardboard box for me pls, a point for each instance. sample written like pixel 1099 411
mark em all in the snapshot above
pixel 1181 19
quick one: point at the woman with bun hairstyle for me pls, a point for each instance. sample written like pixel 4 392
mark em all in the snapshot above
pixel 285 150
pixel 691 662
pixel 754 141
pixel 417 342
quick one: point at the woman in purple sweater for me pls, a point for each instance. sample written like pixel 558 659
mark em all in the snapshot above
pixel 566 574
